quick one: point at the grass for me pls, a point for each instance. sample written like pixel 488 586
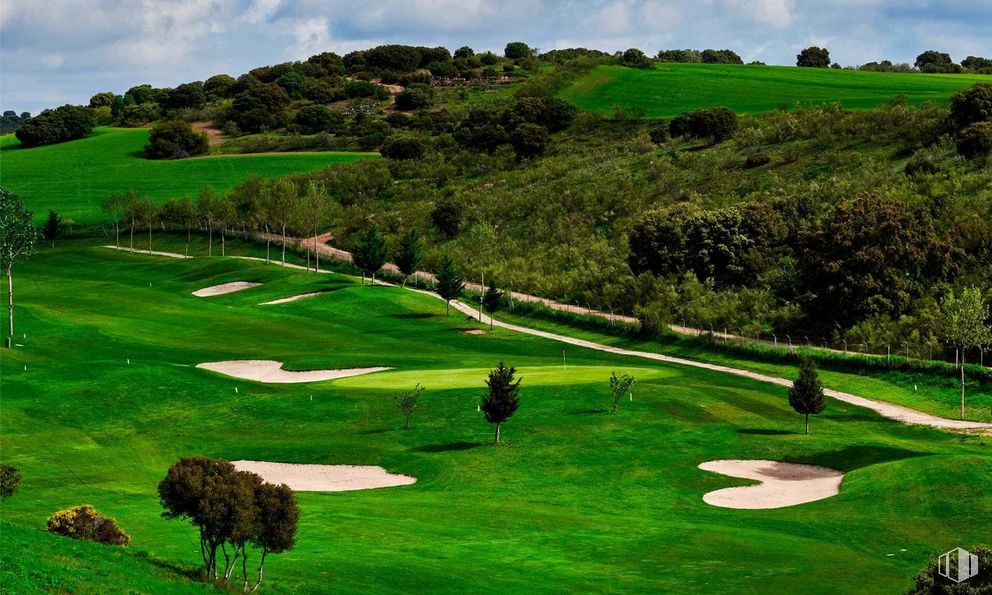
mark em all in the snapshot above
pixel 669 89
pixel 74 177
pixel 576 500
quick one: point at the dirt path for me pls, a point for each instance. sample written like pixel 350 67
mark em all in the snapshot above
pixel 214 136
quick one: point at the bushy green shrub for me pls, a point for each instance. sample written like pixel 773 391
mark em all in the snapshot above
pixel 175 140
pixel 972 105
pixel 404 146
pixel 975 141
pixel 61 124
pixel 415 97
pixel 716 123
pixel 85 523
pixel 10 480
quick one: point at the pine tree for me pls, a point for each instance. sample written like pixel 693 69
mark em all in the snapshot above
pixel 492 300
pixel 408 254
pixel 503 399
pixel 449 283
pixel 806 394
pixel 370 253
pixel 53 227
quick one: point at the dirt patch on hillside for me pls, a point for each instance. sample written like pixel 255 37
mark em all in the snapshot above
pixel 782 484
pixel 214 136
pixel 325 478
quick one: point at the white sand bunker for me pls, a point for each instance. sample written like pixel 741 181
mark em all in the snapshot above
pixel 293 298
pixel 325 478
pixel 266 370
pixel 224 288
pixel 783 484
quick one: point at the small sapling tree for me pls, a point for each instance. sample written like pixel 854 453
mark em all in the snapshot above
pixel 10 480
pixel 620 385
pixel 53 227
pixel 492 299
pixel 17 237
pixel 370 253
pixel 450 284
pixel 407 403
pixel 408 254
pixel 503 398
pixel 806 395
pixel 964 315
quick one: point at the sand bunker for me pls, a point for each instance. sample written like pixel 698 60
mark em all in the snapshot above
pixel 783 484
pixel 292 298
pixel 224 288
pixel 475 331
pixel 264 370
pixel 325 478
pixel 152 252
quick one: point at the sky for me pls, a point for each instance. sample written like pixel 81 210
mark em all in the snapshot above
pixel 63 51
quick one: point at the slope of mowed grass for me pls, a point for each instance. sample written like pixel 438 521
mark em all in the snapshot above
pixel 72 178
pixel 669 89
pixel 575 500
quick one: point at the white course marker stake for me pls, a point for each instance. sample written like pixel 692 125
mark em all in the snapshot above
pixel 311 397
pixel 235 390
pixel 129 361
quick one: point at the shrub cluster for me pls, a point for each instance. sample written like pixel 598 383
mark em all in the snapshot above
pixel 175 140
pixel 716 123
pixel 85 523
pixel 61 124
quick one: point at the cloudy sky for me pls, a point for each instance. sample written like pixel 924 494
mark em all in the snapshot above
pixel 62 51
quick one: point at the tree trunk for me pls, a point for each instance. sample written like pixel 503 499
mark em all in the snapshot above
pixel 316 250
pixel 189 234
pixel 117 234
pixel 149 239
pixel 210 239
pixel 283 261
pixel 244 569
pixel 962 383
pixel 447 307
pixel 497 434
pixel 10 304
pixel 482 294
pixel 261 565
pixel 223 238
pixel 807 423
pixel 406 425
pixel 131 246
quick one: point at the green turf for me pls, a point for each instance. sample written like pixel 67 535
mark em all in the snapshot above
pixel 576 500
pixel 669 89
pixel 74 177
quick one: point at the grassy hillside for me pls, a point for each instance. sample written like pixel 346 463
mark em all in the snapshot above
pixel 575 500
pixel 669 89
pixel 74 177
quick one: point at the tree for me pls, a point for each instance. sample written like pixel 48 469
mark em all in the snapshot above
pixel 61 124
pixel 103 99
pixel 208 209
pixel 115 205
pixel 53 227
pixel 408 254
pixel 175 140
pixel 276 522
pixel 370 253
pixel 10 480
pixel 446 217
pixel 404 146
pixel 148 214
pixel 315 211
pixel 813 57
pixel 17 238
pixel 450 284
pixel 972 105
pixel 964 317
pixel 502 400
pixel 314 118
pixel 806 395
pixel 721 57
pixel 529 140
pixel 620 385
pixel 181 212
pixel 415 97
pixel 492 299
pixel 635 58
pixel 933 58
pixel 407 402
pixel 464 52
pixel 975 141
pixel 280 200
pixel 517 50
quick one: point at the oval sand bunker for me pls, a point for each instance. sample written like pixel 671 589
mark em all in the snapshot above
pixel 293 298
pixel 264 370
pixel 224 288
pixel 782 484
pixel 325 478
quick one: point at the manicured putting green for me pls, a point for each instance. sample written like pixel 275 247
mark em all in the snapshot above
pixel 72 178
pixel 669 89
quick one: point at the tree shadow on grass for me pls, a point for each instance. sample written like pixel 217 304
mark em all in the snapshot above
pixel 592 411
pixel 451 446
pixel 765 432
pixel 413 315
pixel 856 457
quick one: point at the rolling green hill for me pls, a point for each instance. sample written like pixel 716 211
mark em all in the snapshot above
pixel 74 177
pixel 102 396
pixel 669 89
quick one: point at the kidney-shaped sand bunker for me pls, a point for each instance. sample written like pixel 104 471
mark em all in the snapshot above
pixel 782 484
pixel 325 478
pixel 270 371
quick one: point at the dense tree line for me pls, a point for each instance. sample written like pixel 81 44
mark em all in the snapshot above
pixel 58 125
